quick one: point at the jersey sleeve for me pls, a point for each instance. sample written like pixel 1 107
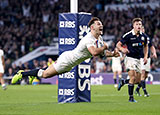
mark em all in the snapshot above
pixel 123 39
pixel 90 43
pixel 150 42
pixel 146 40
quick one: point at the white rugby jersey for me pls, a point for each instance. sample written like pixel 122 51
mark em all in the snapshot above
pixel 81 53
pixel 1 54
pixel 116 61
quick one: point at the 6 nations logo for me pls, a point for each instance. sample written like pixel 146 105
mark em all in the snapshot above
pixel 83 30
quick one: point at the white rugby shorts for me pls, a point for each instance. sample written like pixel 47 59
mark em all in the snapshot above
pixel 1 68
pixel 147 66
pixel 116 68
pixel 62 64
pixel 132 64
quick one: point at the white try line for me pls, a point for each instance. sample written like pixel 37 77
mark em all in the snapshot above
pixel 112 95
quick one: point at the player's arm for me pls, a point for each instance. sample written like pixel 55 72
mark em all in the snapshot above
pixel 112 54
pixel 145 50
pixel 122 56
pixel 109 53
pixel 97 51
pixel 153 51
pixel 120 48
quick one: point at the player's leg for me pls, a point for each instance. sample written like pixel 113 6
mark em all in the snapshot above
pixel 60 66
pixel 146 74
pixel 143 83
pixel 44 73
pixel 4 86
pixel 49 72
pixel 120 74
pixel 147 70
pixel 115 78
pixel 23 74
pixel 122 81
pixel 132 75
pixel 144 68
pixel 138 81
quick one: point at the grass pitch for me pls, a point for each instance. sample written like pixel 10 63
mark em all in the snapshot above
pixel 105 100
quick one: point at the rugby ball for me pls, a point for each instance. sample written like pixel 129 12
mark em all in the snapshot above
pixel 99 44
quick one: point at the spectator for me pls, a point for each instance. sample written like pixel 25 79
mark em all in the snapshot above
pixel 50 61
pixel 100 65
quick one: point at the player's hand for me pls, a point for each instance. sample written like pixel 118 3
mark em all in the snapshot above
pixel 116 53
pixel 125 50
pixel 145 61
pixel 154 56
pixel 105 46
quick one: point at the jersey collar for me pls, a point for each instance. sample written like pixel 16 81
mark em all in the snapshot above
pixel 134 32
pixel 93 36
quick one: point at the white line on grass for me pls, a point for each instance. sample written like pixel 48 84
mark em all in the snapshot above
pixel 112 95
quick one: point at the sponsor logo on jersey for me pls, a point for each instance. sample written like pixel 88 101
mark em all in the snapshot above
pixel 132 38
pixel 137 44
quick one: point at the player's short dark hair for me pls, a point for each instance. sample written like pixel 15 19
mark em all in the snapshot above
pixel 93 19
pixel 136 20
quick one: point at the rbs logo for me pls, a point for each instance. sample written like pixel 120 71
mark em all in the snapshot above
pixel 68 75
pixel 67 41
pixel 66 91
pixel 83 71
pixel 67 24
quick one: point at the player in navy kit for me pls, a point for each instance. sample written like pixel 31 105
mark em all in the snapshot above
pixel 136 42
pixel 145 69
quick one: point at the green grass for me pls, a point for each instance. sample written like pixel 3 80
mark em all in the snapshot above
pixel 105 100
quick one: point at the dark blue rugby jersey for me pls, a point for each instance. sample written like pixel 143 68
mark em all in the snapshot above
pixel 149 46
pixel 134 44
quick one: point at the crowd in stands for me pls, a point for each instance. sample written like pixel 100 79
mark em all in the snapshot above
pixel 28 24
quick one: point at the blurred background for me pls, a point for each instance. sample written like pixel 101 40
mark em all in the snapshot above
pixel 32 26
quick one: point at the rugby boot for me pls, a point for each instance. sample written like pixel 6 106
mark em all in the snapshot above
pixel 120 84
pixel 31 78
pixel 132 100
pixel 146 95
pixel 17 77
pixel 137 93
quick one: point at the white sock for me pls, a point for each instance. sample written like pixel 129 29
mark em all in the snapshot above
pixel 3 85
pixel 40 73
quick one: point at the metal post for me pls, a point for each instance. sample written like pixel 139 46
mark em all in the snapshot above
pixel 74 6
